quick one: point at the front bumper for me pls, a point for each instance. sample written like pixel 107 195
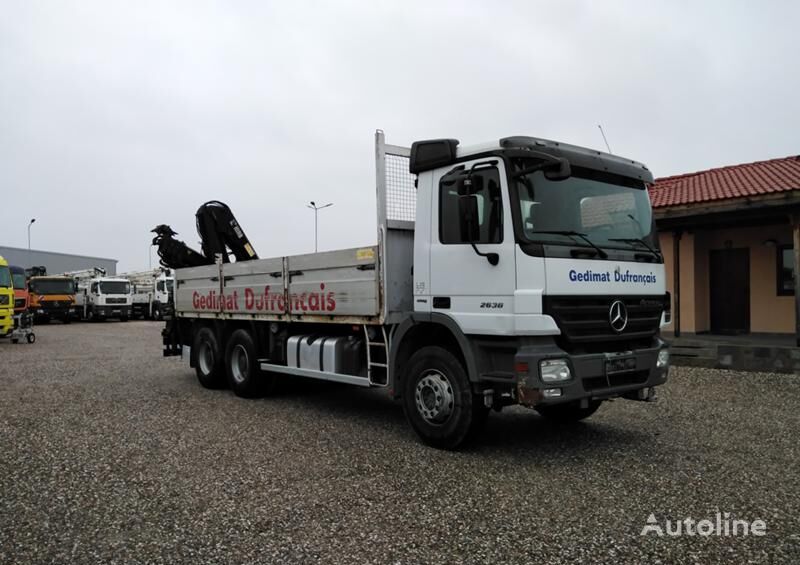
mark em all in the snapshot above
pixel 589 376
pixel 112 311
pixel 6 321
pixel 56 312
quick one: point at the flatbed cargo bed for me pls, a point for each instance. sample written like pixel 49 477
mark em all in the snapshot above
pixel 341 286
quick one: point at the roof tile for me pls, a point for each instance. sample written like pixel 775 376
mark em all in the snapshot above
pixel 736 181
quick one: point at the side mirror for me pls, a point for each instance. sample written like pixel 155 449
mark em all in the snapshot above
pixel 559 170
pixel 468 218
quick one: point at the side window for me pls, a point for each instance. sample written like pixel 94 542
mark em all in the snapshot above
pixel 785 275
pixel 94 288
pixel 490 209
pixel 160 286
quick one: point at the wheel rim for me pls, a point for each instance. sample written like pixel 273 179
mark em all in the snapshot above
pixel 434 397
pixel 240 364
pixel 206 358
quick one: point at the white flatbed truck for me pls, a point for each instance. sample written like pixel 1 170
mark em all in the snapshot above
pixel 150 292
pixel 522 271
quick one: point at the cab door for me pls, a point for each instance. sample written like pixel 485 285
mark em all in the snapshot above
pixel 464 284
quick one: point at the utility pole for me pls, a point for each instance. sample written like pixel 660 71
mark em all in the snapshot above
pixel 316 209
pixel 30 261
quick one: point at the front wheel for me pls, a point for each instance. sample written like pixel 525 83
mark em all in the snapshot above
pixel 568 412
pixel 438 401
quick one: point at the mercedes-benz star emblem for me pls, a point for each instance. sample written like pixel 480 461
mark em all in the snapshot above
pixel 618 316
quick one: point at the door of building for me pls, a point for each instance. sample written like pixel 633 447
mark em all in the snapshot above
pixel 729 279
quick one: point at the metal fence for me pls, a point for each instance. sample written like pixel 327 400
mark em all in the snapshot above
pixel 397 195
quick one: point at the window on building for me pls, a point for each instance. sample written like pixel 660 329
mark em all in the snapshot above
pixel 490 210
pixel 785 275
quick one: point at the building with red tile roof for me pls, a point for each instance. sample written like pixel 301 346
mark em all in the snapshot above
pixel 727 236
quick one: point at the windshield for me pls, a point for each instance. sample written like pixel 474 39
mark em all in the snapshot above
pixel 604 207
pixel 19 280
pixel 5 277
pixel 170 284
pixel 52 286
pixel 115 287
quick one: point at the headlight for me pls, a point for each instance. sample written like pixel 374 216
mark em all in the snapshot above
pixel 663 358
pixel 554 370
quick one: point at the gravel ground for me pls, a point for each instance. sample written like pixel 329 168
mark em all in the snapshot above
pixel 111 453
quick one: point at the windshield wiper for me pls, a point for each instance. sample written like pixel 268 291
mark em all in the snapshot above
pixel 583 236
pixel 639 240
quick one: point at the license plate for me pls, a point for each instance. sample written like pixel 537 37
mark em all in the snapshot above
pixel 620 365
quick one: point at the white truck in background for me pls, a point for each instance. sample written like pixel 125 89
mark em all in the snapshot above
pixel 99 297
pixel 150 292
pixel 520 271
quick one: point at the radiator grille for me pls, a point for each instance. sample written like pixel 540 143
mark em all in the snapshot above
pixel 585 319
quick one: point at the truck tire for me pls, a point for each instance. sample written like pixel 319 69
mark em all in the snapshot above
pixel 245 377
pixel 208 363
pixel 568 412
pixel 157 315
pixel 438 400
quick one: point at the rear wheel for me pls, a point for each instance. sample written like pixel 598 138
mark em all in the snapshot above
pixel 569 412
pixel 241 366
pixel 208 359
pixel 438 400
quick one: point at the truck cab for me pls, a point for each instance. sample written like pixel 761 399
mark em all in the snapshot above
pixel 102 298
pixel 52 298
pixel 6 299
pixel 151 292
pixel 544 255
pixel 20 281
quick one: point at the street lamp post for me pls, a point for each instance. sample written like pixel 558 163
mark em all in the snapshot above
pixel 29 241
pixel 316 209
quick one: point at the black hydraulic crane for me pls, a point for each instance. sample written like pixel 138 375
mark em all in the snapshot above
pixel 220 234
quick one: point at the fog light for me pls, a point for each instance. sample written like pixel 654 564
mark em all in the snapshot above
pixel 663 358
pixel 554 370
pixel 551 392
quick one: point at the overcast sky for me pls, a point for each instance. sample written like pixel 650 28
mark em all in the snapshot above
pixel 117 116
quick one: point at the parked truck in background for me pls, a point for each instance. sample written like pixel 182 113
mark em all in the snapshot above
pixel 521 271
pixel 20 281
pixel 52 297
pixel 99 297
pixel 150 292
pixel 6 299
